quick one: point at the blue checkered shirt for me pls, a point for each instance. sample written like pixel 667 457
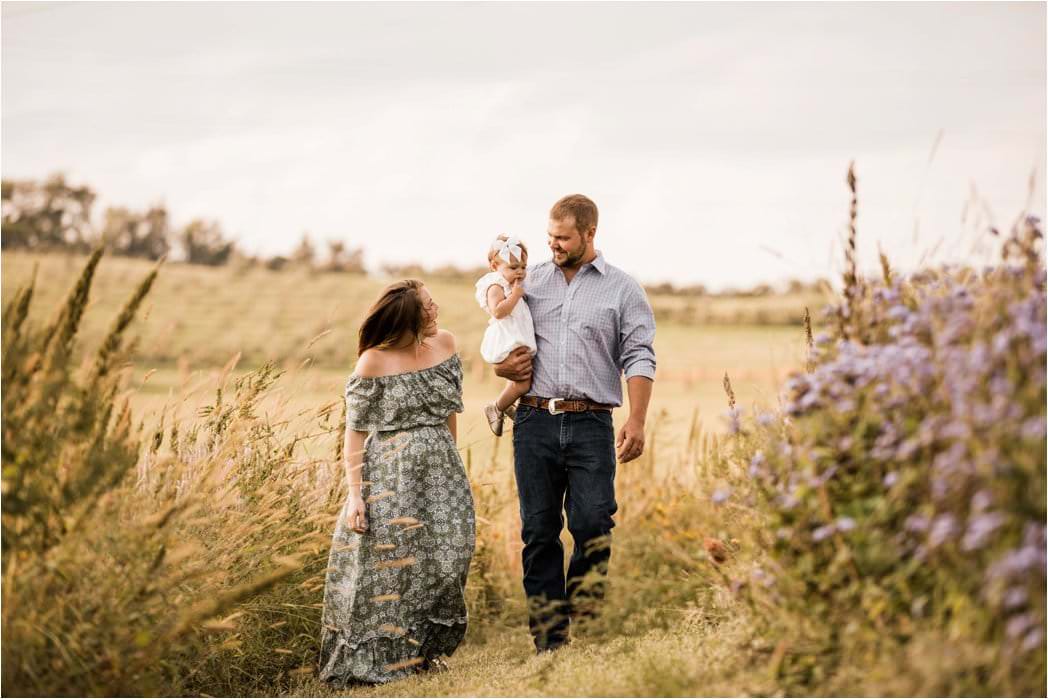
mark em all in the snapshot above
pixel 589 332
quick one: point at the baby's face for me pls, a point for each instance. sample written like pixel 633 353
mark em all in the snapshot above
pixel 512 270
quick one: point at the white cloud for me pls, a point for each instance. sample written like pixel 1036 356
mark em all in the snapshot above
pixel 707 133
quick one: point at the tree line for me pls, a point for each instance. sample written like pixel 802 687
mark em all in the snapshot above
pixel 56 215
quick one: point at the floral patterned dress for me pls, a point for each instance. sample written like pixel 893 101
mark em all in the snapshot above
pixel 395 595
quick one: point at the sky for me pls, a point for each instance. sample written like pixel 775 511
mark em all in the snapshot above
pixel 714 137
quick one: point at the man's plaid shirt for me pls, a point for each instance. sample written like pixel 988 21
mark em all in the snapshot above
pixel 589 332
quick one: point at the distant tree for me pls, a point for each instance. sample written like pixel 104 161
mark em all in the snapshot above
pixel 305 254
pixel 408 271
pixel 693 290
pixel 277 263
pixel 203 243
pixel 51 215
pixel 759 290
pixel 132 234
pixel 343 259
pixel 665 288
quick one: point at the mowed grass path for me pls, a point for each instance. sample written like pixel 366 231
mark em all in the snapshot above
pixel 692 661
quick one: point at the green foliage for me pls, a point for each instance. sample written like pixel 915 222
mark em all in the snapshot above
pixel 48 215
pixel 132 234
pixel 204 243
pixel 905 498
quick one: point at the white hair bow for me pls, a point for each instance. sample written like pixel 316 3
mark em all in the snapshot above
pixel 510 246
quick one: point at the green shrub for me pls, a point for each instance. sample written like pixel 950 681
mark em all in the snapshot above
pixel 905 496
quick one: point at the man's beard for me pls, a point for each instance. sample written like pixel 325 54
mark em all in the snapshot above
pixel 569 259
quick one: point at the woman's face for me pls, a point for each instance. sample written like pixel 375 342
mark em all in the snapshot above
pixel 431 311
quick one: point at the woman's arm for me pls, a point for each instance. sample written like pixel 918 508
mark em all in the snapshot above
pixel 353 460
pixel 501 305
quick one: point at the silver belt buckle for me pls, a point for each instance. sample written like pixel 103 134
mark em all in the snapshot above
pixel 551 406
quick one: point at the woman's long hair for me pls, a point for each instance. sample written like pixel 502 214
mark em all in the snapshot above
pixel 396 312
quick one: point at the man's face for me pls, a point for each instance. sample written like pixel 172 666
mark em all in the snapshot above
pixel 566 243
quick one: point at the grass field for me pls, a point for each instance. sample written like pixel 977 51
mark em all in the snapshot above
pixel 218 513
pixel 197 319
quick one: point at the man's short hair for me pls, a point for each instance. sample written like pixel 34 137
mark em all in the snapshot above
pixel 578 206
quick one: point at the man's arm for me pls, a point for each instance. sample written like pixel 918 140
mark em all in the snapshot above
pixel 630 442
pixel 637 334
pixel 637 338
pixel 515 367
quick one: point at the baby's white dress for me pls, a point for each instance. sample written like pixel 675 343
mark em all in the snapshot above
pixel 506 334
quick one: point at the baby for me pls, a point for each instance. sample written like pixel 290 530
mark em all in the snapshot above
pixel 500 293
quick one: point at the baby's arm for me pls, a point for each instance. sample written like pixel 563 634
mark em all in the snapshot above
pixel 501 305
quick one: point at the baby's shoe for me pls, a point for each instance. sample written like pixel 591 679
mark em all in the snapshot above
pixel 494 416
pixel 511 412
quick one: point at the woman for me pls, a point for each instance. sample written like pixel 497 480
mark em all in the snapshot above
pixel 394 596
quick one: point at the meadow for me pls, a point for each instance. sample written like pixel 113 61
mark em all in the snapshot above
pixel 197 319
pixel 868 518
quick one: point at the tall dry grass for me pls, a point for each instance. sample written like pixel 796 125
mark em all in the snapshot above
pixel 118 558
pixel 879 537
pixel 187 556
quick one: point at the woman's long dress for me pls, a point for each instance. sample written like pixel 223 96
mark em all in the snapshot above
pixel 395 595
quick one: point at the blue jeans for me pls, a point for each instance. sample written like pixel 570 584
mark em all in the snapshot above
pixel 563 462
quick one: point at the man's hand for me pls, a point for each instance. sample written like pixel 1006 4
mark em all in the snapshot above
pixel 515 367
pixel 630 443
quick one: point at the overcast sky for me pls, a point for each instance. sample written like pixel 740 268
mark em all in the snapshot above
pixel 713 137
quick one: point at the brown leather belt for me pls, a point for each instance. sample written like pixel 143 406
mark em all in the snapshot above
pixel 563 405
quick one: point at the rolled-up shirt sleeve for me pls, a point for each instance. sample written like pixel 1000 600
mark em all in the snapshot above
pixel 637 334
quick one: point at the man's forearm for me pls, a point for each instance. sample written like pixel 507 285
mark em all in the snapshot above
pixel 639 388
pixel 515 367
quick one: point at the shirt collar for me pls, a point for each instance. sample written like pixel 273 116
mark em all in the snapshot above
pixel 598 263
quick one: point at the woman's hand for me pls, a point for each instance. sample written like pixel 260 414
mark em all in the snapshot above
pixel 356 515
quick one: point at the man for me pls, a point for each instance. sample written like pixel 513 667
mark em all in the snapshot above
pixel 593 323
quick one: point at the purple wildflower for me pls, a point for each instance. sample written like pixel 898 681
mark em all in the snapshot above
pixel 1033 640
pixel 1015 597
pixel 944 527
pixel 980 529
pixel 734 416
pixel 1019 624
pixel 757 463
pixel 827 530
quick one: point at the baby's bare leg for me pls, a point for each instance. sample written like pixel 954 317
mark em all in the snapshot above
pixel 512 391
